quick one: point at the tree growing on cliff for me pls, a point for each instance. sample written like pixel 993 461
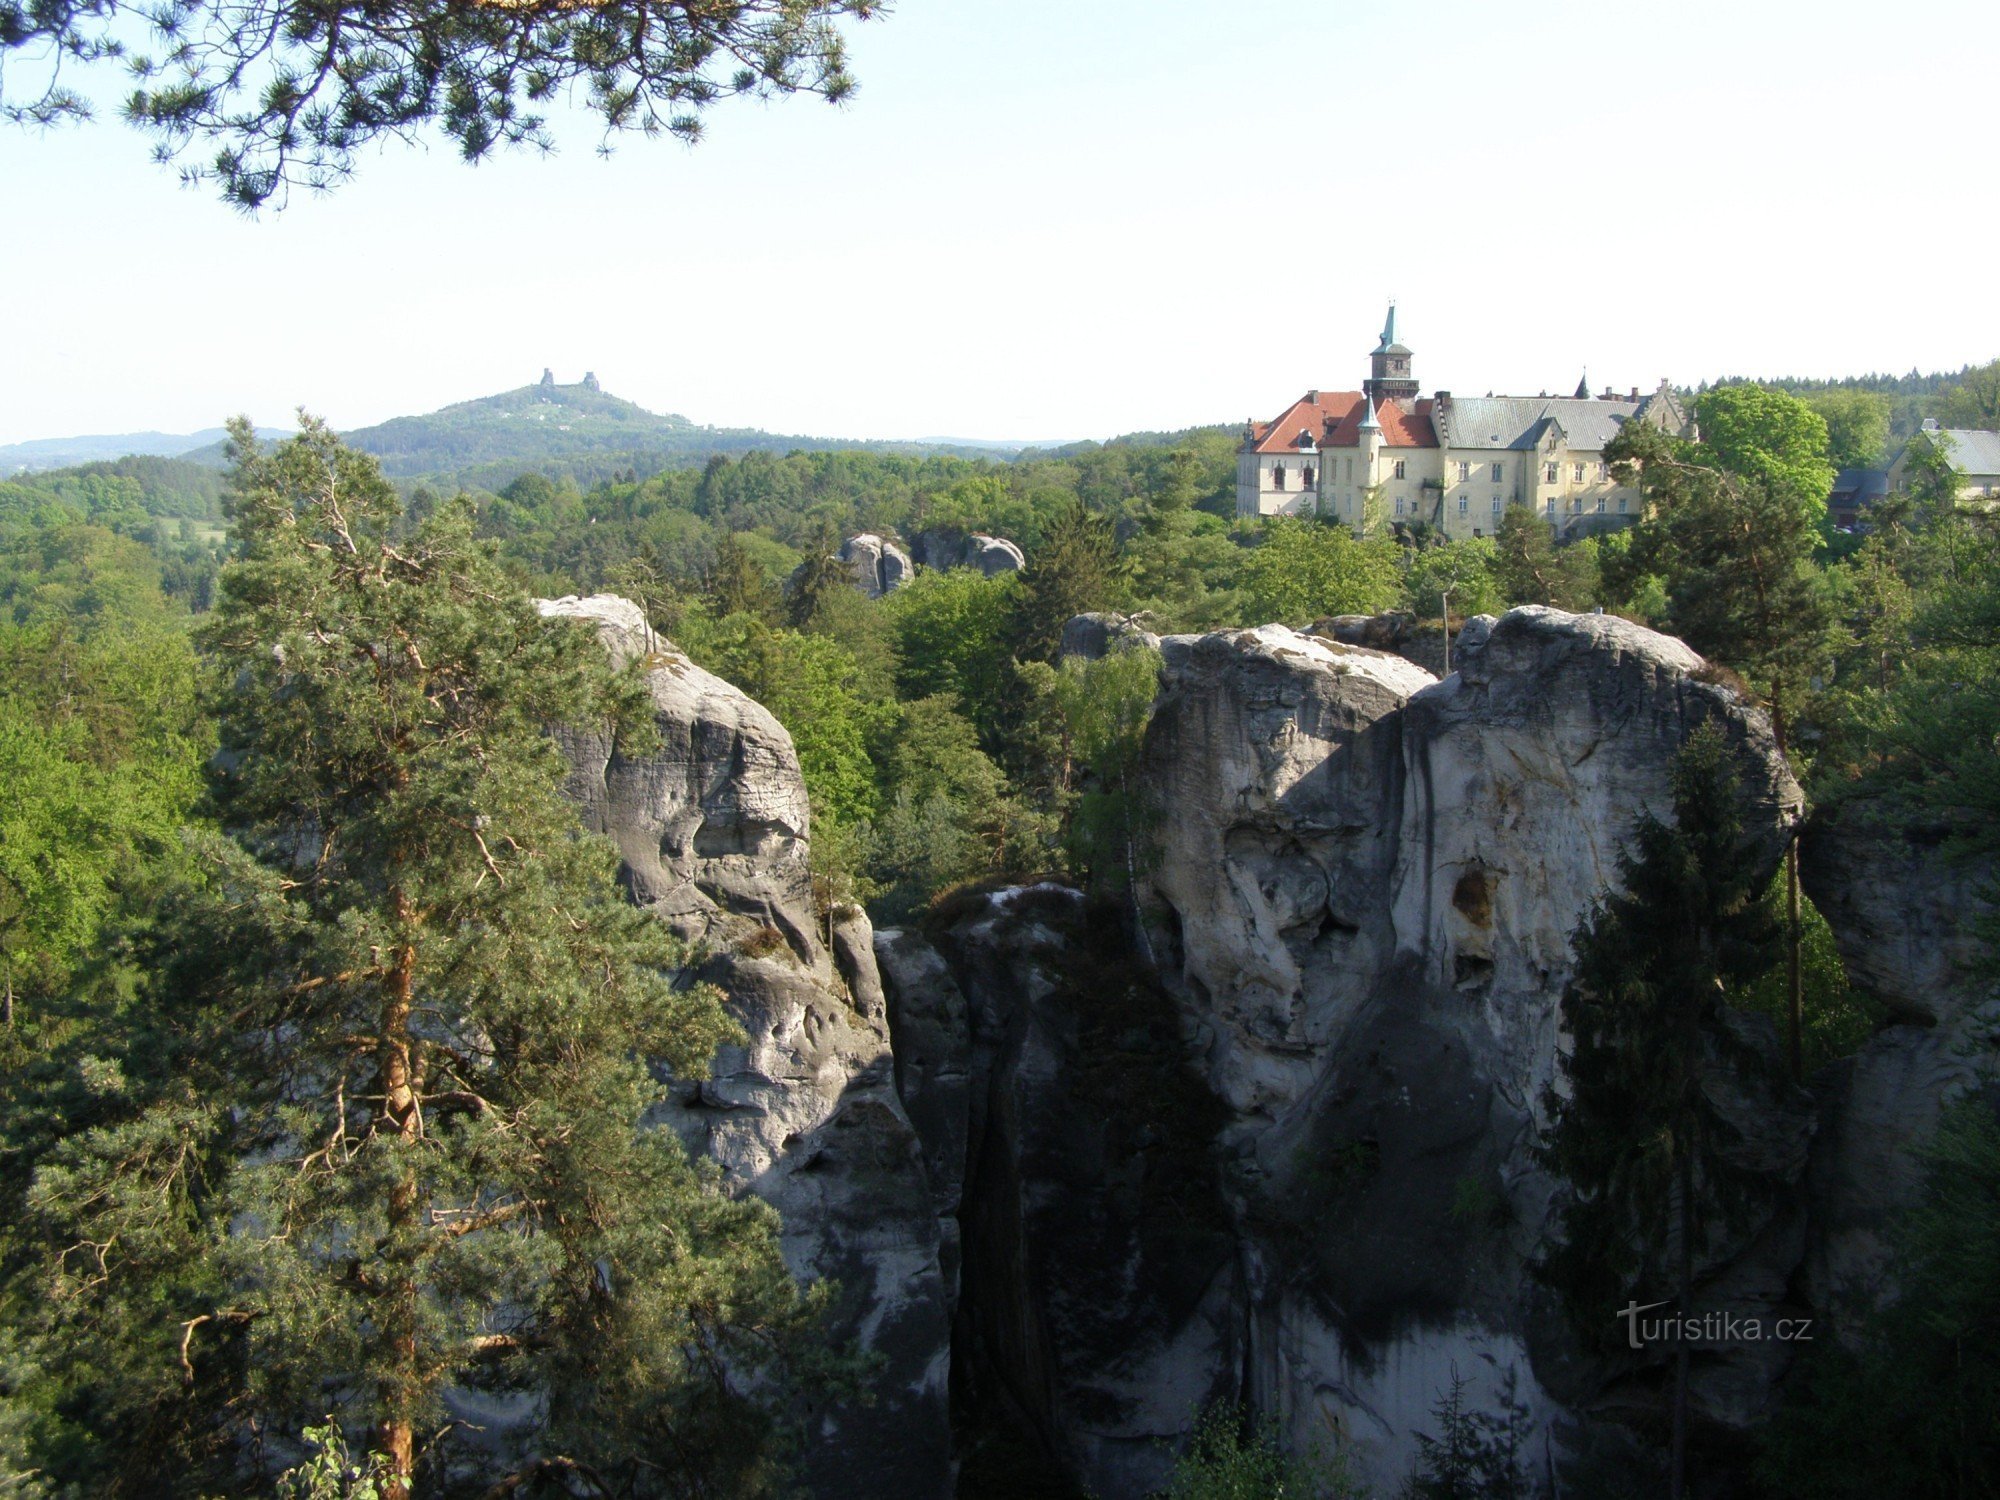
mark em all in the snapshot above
pixel 375 1133
pixel 1735 548
pixel 1634 1133
pixel 1069 574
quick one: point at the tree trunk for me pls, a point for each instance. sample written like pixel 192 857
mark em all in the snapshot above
pixel 396 1378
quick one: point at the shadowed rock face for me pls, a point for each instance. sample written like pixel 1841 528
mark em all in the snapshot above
pixel 1904 913
pixel 712 829
pixel 951 548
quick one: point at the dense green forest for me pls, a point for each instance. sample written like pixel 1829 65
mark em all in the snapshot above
pixel 179 971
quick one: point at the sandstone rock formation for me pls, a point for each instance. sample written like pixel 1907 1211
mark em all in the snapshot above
pixel 1364 894
pixel 712 829
pixel 879 565
pixel 1095 635
pixel 1282 1152
pixel 951 548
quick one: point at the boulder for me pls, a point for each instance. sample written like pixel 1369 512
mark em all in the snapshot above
pixel 1095 635
pixel 712 830
pixel 879 565
pixel 948 547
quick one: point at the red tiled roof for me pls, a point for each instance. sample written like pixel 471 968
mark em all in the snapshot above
pixel 1309 414
pixel 1400 429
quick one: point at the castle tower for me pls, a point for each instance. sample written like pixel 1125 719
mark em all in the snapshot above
pixel 1389 376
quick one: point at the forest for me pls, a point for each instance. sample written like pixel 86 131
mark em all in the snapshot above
pixel 179 954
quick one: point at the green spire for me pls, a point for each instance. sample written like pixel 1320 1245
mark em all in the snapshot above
pixel 1388 328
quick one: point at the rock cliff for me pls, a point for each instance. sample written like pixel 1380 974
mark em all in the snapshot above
pixel 1362 905
pixel 712 829
pixel 1078 1177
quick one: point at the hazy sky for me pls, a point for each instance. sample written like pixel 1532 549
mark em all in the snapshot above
pixel 1055 218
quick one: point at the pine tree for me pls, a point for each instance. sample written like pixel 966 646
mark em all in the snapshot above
pixel 382 1138
pixel 1473 1455
pixel 1737 554
pixel 817 577
pixel 1633 1132
pixel 1070 573
pixel 737 583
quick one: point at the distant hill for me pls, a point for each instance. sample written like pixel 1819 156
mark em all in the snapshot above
pixel 579 432
pixel 65 453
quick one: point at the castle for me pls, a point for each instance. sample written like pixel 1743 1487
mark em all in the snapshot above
pixel 1383 454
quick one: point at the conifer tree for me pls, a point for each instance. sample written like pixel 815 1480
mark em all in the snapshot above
pixel 382 1137
pixel 1737 555
pixel 737 583
pixel 1633 1132
pixel 1070 573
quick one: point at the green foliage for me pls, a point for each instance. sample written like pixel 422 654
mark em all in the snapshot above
pixel 1734 548
pixel 267 101
pixel 1913 1407
pixel 1972 400
pixel 1529 568
pixel 1468 570
pixel 951 636
pixel 1857 426
pixel 1632 1133
pixel 1771 440
pixel 366 1122
pixel 329 1473
pixel 1473 1455
pixel 1069 574
pixel 1228 1458
pixel 1837 1018
pixel 101 743
pixel 811 684
pixel 1301 570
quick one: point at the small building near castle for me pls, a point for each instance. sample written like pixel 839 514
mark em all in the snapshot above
pixel 1384 454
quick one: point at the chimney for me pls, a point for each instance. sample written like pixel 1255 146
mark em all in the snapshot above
pixel 1634 397
pixel 1312 398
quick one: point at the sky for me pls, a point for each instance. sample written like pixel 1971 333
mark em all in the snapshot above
pixel 1052 219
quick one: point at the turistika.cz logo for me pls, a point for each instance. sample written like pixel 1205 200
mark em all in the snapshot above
pixel 1712 1328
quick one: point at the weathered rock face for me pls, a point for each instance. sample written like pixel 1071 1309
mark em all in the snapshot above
pixel 1365 890
pixel 1095 635
pixel 879 565
pixel 1070 1148
pixel 951 548
pixel 712 829
pixel 1904 916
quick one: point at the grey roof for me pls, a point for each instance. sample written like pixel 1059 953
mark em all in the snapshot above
pixel 1863 485
pixel 1519 421
pixel 1974 451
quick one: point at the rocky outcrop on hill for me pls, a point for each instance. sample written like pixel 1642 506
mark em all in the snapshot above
pixel 1097 634
pixel 1277 1144
pixel 1363 898
pixel 879 565
pixel 711 826
pixel 951 548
